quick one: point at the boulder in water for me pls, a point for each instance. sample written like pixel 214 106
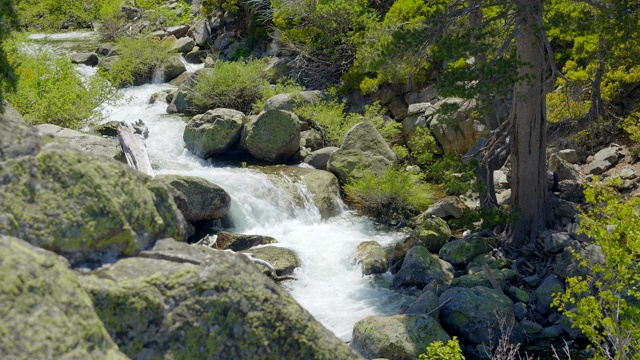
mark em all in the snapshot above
pixel 273 136
pixel 239 242
pixel 420 267
pixel 172 68
pixel 45 312
pixel 214 132
pixel 396 337
pixel 197 198
pixel 363 151
pixel 372 257
pixel 284 260
pixel 89 59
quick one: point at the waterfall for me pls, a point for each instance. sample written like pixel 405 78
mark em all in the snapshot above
pixel 158 76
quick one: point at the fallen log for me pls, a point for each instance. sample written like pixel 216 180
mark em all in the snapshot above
pixel 132 141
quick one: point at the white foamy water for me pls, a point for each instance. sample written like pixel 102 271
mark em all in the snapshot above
pixel 327 285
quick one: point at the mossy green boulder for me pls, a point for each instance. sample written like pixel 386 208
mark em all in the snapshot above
pixel 372 257
pixel 239 242
pixel 396 337
pixel 284 260
pixel 222 309
pixel 420 267
pixel 273 136
pixel 197 198
pixel 214 132
pixel 17 138
pixel 433 232
pixel 363 151
pixel 45 313
pixel 460 252
pixel 84 207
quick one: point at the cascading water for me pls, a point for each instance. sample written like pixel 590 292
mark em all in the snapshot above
pixel 327 285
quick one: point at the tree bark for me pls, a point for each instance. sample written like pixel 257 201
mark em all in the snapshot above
pixel 528 137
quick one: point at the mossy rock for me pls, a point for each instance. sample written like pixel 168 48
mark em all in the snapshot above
pixel 214 132
pixel 96 145
pixel 84 207
pixel 396 337
pixel 223 309
pixel 284 260
pixel 239 242
pixel 433 232
pixel 420 267
pixel 363 151
pixel 502 277
pixel 197 198
pixel 45 313
pixel 273 136
pixel 372 257
pixel 460 252
pixel 17 138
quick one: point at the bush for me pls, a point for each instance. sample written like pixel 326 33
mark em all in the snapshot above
pixel 236 85
pixel 50 91
pixel 605 305
pixel 437 350
pixel 455 176
pixel 390 198
pixel 137 61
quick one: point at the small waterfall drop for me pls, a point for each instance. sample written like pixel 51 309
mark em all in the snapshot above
pixel 158 76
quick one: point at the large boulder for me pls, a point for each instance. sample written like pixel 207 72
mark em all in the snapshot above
pixel 217 305
pixel 273 136
pixel 372 257
pixel 96 145
pixel 432 232
pixel 460 252
pixel 545 292
pixel 45 313
pixel 448 207
pixel 201 32
pixel 182 45
pixel 214 132
pixel 319 158
pixel 82 206
pixel 197 198
pixel 172 68
pixel 420 267
pixel 456 132
pixel 288 101
pixel 17 139
pixel 363 151
pixel 88 58
pixel 396 337
pixel 603 160
pixel 473 314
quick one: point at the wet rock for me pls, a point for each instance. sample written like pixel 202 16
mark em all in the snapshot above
pixel 284 261
pixel 363 151
pixel 89 59
pixel 109 129
pixel 372 257
pixel 173 68
pixel 460 252
pixel 214 132
pixel 223 309
pixel 239 242
pixel 197 198
pixel 396 337
pixel 45 312
pixel 424 304
pixel 273 136
pixel 420 267
pixel 472 314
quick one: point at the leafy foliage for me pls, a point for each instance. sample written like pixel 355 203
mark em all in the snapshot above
pixel 137 60
pixel 437 350
pixel 237 85
pixel 605 305
pixel 8 23
pixel 50 91
pixel 395 195
pixel 456 177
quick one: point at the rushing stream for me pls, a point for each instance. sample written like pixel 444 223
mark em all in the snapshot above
pixel 327 284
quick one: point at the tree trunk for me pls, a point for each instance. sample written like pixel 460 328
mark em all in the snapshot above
pixel 528 137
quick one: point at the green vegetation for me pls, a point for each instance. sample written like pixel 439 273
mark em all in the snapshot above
pixel 437 350
pixel 138 58
pixel 236 85
pixel 51 91
pixel 227 5
pixel 605 304
pixel 8 23
pixel 395 195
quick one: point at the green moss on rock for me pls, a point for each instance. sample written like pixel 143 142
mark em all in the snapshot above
pixel 224 309
pixel 45 313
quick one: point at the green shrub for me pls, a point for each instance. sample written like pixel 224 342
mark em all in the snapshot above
pixel 227 5
pixel 137 61
pixel 237 85
pixel 605 304
pixel 454 176
pixel 437 350
pixel 389 198
pixel 50 91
